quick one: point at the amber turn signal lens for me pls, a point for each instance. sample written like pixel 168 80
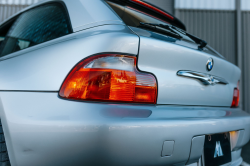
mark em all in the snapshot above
pixel 109 77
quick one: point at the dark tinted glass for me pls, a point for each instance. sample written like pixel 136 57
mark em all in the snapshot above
pixel 35 26
pixel 1 40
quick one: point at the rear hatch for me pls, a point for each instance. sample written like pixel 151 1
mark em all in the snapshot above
pixel 165 59
pixel 186 74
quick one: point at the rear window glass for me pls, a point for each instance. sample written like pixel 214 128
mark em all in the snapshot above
pixel 132 16
pixel 34 27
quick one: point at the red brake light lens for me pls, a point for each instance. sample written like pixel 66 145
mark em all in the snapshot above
pixel 109 77
pixel 236 97
pixel 153 8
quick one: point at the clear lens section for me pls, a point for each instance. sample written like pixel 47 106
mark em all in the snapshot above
pixel 120 63
pixel 109 78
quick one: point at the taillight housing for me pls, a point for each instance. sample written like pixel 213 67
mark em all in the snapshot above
pixel 109 78
pixel 236 97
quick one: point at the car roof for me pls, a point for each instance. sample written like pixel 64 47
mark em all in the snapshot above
pixel 82 13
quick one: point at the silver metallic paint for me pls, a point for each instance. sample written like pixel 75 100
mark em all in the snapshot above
pixel 196 149
pixel 45 66
pixel 165 59
pixel 240 136
pixel 86 14
pixel 167 148
pixel 65 132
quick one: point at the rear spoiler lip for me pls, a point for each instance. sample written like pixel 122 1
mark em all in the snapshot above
pixel 175 21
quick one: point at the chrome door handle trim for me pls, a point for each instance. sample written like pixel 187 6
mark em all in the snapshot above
pixel 206 79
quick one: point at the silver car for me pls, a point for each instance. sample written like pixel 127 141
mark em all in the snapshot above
pixel 116 83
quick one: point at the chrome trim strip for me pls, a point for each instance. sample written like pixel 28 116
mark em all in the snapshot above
pixel 206 79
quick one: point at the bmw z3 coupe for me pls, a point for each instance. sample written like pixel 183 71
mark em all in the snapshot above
pixel 114 83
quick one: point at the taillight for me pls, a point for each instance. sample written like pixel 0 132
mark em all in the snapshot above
pixel 236 97
pixel 109 77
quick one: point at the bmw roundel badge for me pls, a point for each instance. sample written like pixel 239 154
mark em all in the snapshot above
pixel 210 64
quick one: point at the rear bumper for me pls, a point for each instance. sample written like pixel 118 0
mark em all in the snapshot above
pixel 42 129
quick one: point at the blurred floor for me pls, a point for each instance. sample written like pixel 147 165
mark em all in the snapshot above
pixel 246 153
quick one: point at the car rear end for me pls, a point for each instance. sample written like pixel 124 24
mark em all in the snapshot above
pixel 106 91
